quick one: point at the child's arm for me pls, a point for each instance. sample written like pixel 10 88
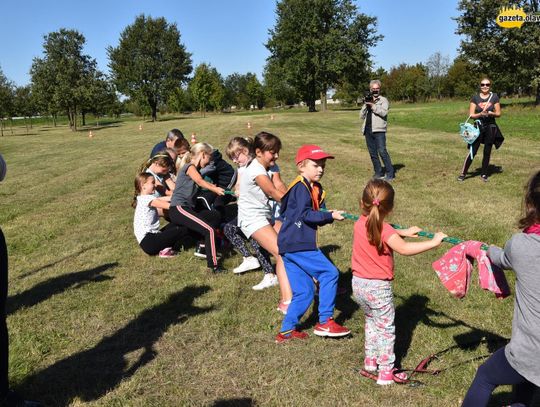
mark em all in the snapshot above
pixel 170 185
pixel 278 182
pixel 405 248
pixel 268 187
pixel 163 202
pixel 409 232
pixel 196 177
pixel 499 257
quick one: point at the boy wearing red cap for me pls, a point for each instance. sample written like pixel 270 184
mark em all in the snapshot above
pixel 297 243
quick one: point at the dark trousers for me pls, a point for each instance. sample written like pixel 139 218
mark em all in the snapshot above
pixel 204 223
pixel 376 144
pixel 171 235
pixel 485 158
pixel 4 350
pixel 494 372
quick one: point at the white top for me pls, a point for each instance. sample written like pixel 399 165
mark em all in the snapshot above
pixel 146 218
pixel 253 204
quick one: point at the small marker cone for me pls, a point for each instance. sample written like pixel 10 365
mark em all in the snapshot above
pixel 140 127
pixel 271 117
pixel 90 135
pixel 193 138
pixel 249 125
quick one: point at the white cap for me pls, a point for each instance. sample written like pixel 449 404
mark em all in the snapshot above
pixel 3 168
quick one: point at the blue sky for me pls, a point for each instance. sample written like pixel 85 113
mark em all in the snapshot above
pixel 230 35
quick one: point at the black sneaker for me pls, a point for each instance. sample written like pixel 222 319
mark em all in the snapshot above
pixel 217 269
pixel 461 178
pixel 200 251
pixel 484 178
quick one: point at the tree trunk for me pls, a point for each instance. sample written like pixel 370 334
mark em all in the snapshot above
pixel 83 118
pixel 311 105
pixel 11 125
pixel 2 126
pixel 54 119
pixel 537 103
pixel 323 101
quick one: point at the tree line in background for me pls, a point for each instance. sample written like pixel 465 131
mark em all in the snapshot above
pixel 316 47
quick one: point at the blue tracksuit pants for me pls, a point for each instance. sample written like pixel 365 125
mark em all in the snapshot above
pixel 301 268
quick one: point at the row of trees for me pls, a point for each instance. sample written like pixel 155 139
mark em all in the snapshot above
pixel 315 46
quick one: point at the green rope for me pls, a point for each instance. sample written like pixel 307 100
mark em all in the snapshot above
pixel 452 240
pixel 229 192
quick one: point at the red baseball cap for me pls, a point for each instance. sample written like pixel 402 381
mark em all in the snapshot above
pixel 312 152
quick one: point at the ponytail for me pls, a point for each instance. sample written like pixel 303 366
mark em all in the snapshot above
pixel 376 203
pixel 140 179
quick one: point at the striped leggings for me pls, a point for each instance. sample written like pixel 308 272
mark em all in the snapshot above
pixel 204 223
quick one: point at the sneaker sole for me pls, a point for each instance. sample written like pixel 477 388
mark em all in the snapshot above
pixel 331 334
pixel 385 382
pixel 199 255
pixel 235 271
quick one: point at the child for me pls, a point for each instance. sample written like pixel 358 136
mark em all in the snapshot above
pixel 160 166
pixel 146 220
pixel 374 242
pixel 182 210
pixel 239 151
pixel 297 242
pixel 516 363
pixel 257 187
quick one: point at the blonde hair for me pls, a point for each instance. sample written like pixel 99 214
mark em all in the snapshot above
pixel 238 143
pixel 376 203
pixel 195 152
pixel 140 179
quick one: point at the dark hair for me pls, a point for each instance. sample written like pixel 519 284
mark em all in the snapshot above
pixel 181 142
pixel 162 158
pixel 376 203
pixel 140 179
pixel 266 142
pixel 531 203
pixel 237 143
pixel 174 133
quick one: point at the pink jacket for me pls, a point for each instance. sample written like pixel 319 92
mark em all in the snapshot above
pixel 455 267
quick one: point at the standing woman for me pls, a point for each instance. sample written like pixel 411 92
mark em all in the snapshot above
pixel 485 107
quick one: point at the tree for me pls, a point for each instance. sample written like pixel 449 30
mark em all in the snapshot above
pixel 6 100
pixel 207 88
pixel 150 61
pixel 276 86
pixel 319 43
pixel 24 104
pixel 461 79
pixel 509 56
pixel 59 78
pixel 437 68
pixel 407 82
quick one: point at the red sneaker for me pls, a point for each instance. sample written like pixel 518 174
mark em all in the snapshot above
pixel 330 328
pixel 294 334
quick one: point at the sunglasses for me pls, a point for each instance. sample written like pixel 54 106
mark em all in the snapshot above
pixel 485 84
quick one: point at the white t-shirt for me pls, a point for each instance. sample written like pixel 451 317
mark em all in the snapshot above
pixel 146 218
pixel 253 204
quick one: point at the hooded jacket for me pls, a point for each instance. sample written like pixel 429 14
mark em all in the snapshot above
pixel 301 216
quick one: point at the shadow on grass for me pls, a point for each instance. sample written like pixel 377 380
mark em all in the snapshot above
pixel 57 285
pixel 243 402
pixel 90 374
pixel 54 263
pixel 492 169
pixel 414 310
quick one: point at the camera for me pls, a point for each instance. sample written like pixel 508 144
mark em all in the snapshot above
pixel 368 97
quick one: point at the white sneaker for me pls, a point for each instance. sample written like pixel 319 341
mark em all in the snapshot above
pixel 269 280
pixel 249 263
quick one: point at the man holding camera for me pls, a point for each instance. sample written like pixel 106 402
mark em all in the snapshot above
pixel 374 113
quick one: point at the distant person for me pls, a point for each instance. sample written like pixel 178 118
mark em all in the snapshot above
pixel 517 363
pixel 374 244
pixel 485 107
pixel 8 398
pixel 374 114
pixel 171 141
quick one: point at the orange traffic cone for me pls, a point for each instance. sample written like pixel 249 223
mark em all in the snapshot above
pixel 90 135
pixel 193 138
pixel 140 127
pixel 249 125
pixel 271 117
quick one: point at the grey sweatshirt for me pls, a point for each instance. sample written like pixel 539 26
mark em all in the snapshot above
pixel 522 254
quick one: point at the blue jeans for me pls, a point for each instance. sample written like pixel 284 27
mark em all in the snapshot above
pixel 301 268
pixel 494 372
pixel 376 144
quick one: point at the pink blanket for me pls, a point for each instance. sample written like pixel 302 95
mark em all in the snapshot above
pixel 455 267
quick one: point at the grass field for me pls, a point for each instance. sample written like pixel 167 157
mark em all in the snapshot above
pixel 95 321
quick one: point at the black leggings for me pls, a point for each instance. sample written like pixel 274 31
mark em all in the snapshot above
pixel 485 158
pixel 170 235
pixel 204 223
pixel 4 349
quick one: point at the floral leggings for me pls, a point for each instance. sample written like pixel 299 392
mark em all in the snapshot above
pixel 376 299
pixel 239 241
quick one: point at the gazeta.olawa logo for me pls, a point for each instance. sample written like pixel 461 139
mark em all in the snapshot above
pixel 514 17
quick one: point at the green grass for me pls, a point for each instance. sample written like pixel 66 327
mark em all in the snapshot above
pixel 95 321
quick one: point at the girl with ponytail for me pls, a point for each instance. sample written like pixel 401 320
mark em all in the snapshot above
pixel 374 242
